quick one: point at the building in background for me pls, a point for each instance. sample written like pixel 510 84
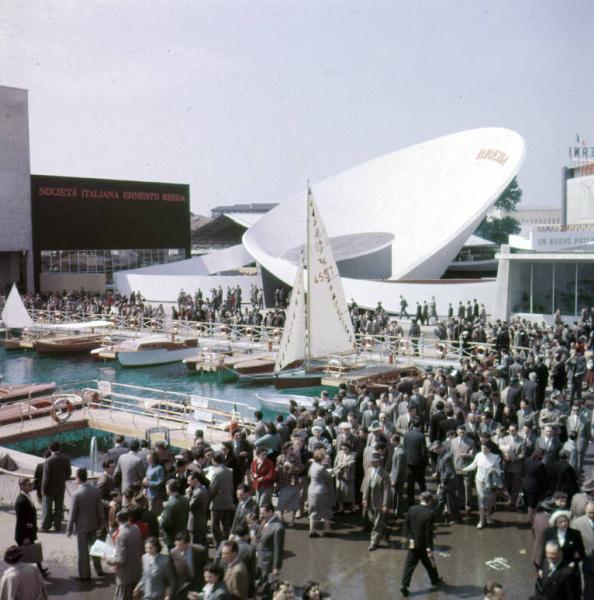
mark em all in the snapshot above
pixel 84 230
pixel 16 234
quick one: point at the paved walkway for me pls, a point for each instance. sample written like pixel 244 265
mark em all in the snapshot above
pixel 341 563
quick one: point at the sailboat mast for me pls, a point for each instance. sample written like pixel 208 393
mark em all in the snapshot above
pixel 309 285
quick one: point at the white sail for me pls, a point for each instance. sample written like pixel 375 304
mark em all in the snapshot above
pixel 292 344
pixel 330 327
pixel 14 314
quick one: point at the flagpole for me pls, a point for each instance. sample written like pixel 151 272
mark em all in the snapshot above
pixel 309 286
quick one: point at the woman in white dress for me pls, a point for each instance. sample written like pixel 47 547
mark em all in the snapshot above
pixel 488 470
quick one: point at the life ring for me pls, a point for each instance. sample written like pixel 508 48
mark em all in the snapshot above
pixel 199 327
pixel 368 341
pixel 249 332
pixel 224 329
pixel 61 409
pixel 153 324
pixel 481 351
pixel 91 398
pixel 441 347
pixel 404 345
pixel 276 332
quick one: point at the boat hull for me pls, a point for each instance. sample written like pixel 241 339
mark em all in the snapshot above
pixel 279 403
pixel 147 358
pixel 57 346
pixel 298 379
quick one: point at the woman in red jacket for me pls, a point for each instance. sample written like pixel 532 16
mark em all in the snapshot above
pixel 263 475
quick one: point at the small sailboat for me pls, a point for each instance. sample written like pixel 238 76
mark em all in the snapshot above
pixel 15 317
pixel 318 322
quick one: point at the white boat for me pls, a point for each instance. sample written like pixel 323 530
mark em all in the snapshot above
pixel 275 402
pixel 154 350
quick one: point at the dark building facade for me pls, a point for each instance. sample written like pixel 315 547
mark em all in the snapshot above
pixel 85 229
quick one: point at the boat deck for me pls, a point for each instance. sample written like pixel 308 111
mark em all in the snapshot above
pixel 113 421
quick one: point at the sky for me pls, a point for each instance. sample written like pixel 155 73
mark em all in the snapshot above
pixel 247 100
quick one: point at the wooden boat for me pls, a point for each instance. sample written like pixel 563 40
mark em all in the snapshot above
pixel 255 366
pixel 69 344
pixel 11 393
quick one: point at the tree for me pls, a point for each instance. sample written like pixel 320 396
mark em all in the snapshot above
pixel 498 229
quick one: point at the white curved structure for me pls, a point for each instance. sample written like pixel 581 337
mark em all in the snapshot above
pixel 422 202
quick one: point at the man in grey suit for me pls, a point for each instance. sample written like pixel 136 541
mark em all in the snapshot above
pixel 87 516
pixel 578 422
pixel 221 499
pixel 585 525
pixel 198 501
pixel 463 449
pixel 131 468
pixel 270 542
pixel 128 557
pixel 377 499
pixel 398 474
pixel 56 471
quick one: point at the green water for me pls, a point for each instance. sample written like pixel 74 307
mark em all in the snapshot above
pixel 29 367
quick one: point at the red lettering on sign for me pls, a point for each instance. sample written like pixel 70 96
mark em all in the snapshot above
pixel 495 155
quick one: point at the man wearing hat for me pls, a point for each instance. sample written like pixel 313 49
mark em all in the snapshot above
pixel 377 499
pixel 21 580
pixel 541 523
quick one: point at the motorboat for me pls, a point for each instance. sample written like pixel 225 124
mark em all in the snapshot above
pixel 155 350
pixel 275 402
pixel 11 393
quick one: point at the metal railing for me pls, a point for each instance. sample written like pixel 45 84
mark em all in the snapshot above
pixel 166 406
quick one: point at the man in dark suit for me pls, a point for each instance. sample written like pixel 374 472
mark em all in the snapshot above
pixel 56 471
pixel 246 505
pixel 119 449
pixel 25 532
pixel 270 542
pixel 397 475
pixel 530 389
pixel 87 516
pixel 188 565
pixel 106 485
pixel 418 528
pixel 415 450
pixel 447 489
pixel 554 580
pixel 174 518
pixel 198 504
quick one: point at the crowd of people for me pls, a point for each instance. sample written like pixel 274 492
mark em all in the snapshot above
pixel 512 432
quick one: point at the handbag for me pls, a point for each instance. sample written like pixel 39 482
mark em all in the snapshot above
pixel 495 479
pixel 32 553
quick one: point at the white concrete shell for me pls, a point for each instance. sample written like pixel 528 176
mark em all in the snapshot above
pixel 429 197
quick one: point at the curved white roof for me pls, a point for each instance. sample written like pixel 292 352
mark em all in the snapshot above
pixel 430 197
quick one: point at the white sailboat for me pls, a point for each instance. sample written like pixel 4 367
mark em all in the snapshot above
pixel 15 316
pixel 318 323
